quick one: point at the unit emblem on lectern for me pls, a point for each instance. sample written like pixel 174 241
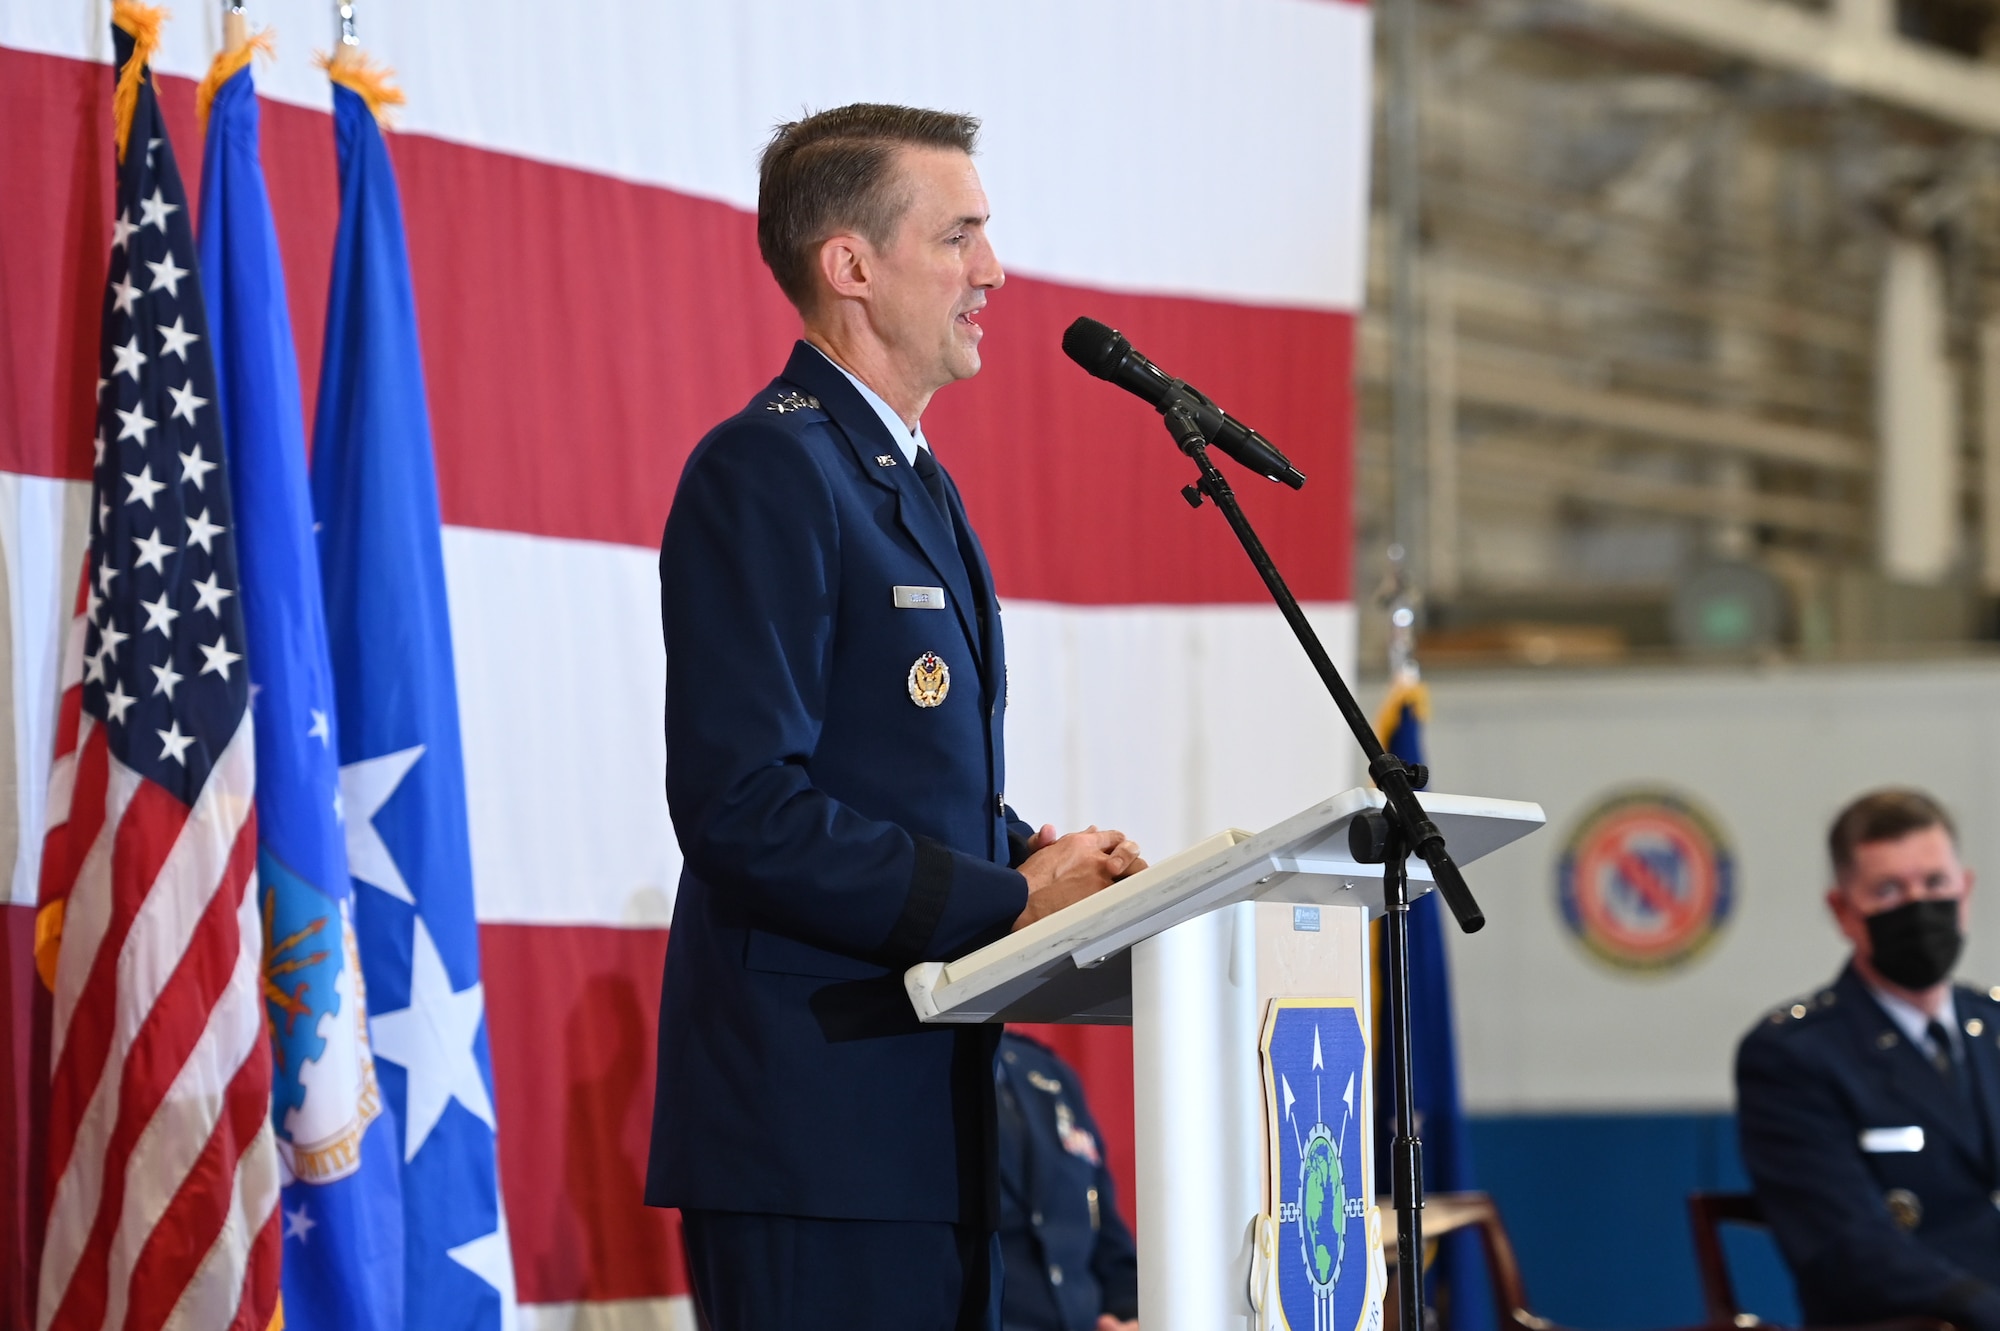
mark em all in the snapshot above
pixel 1315 1082
pixel 1647 879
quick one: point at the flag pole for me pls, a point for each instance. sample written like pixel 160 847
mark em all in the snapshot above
pixel 235 27
pixel 348 48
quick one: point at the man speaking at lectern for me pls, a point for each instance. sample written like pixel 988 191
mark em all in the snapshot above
pixel 836 699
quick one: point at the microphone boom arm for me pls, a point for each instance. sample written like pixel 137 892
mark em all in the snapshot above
pixel 1391 774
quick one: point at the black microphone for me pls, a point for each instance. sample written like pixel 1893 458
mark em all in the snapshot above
pixel 1105 353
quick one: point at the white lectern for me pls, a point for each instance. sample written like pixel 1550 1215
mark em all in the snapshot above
pixel 1191 953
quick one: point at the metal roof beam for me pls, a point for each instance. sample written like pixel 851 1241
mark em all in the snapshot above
pixel 1854 47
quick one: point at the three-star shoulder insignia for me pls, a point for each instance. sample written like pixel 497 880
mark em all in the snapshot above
pixel 792 400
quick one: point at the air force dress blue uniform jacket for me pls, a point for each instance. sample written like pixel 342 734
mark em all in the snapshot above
pixel 1069 1256
pixel 1877 1176
pixel 839 820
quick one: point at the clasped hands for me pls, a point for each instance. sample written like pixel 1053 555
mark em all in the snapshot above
pixel 1063 870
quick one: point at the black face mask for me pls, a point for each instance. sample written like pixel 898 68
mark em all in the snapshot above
pixel 1916 944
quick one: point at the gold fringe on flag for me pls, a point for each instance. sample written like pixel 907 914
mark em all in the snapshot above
pixel 48 940
pixel 142 22
pixel 1389 715
pixel 375 83
pixel 227 63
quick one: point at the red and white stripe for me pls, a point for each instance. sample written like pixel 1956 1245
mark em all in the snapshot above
pixel 578 185
pixel 162 1168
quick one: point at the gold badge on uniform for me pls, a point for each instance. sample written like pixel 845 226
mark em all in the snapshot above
pixel 1904 1208
pixel 930 680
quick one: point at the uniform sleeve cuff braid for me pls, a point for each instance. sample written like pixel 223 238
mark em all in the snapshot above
pixel 930 891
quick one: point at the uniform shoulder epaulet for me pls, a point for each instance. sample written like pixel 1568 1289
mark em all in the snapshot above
pixel 787 401
pixel 1043 1066
pixel 1980 993
pixel 1804 1010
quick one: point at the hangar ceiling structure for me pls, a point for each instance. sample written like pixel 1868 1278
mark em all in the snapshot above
pixel 1710 331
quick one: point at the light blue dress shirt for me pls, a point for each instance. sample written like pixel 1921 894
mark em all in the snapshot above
pixel 908 440
pixel 1914 1022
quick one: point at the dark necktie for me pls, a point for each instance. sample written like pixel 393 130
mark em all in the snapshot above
pixel 932 476
pixel 1940 1052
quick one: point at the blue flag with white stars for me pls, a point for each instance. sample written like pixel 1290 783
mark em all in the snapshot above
pixel 163 635
pixel 374 489
pixel 342 1199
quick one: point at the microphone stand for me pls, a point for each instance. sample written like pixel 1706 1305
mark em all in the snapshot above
pixel 1387 837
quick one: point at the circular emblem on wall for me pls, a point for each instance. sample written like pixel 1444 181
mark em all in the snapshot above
pixel 1647 879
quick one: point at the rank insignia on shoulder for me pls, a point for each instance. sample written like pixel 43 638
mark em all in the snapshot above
pixel 1048 1085
pixel 930 680
pixel 792 400
pixel 885 459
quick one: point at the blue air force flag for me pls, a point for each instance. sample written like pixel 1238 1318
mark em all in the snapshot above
pixel 1454 1279
pixel 343 1219
pixel 1324 1258
pixel 374 490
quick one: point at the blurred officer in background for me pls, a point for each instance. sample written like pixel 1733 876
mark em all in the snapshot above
pixel 1868 1111
pixel 1070 1262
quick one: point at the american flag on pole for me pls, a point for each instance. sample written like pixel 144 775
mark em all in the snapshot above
pixel 163 1177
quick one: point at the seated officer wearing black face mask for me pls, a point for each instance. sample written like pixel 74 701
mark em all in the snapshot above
pixel 1070 1263
pixel 1870 1112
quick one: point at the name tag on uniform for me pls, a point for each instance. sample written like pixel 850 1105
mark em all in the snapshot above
pixel 1892 1141
pixel 919 598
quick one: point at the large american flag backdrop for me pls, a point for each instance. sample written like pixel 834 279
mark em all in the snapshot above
pixel 578 182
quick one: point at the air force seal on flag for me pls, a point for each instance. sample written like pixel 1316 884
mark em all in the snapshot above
pixel 1315 1084
pixel 324 1093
